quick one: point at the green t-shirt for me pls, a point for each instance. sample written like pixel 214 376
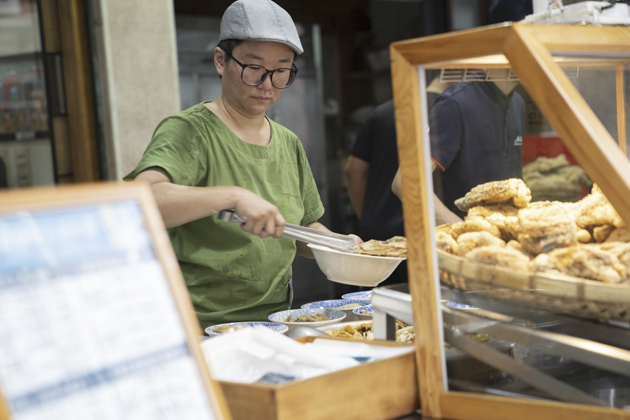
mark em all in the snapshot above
pixel 233 275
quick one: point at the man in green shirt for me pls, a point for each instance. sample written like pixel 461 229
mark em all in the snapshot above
pixel 226 154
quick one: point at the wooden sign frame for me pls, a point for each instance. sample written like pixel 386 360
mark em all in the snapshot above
pixel 528 49
pixel 41 199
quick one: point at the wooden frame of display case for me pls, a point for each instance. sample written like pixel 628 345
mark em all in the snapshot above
pixel 527 49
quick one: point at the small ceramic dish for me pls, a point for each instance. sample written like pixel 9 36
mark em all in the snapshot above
pixel 338 304
pixel 366 295
pixel 216 330
pixel 364 313
pixel 281 317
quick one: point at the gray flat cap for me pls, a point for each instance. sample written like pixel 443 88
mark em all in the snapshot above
pixel 259 20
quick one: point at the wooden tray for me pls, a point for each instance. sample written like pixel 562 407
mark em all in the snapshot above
pixel 558 293
pixel 383 389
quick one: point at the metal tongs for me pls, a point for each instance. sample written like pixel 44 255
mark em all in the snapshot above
pixel 335 241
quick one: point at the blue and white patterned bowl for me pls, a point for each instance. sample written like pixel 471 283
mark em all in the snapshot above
pixel 367 295
pixel 364 316
pixel 336 304
pixel 333 314
pixel 237 325
pixel 458 305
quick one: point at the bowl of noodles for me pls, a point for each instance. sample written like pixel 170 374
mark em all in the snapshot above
pixel 314 317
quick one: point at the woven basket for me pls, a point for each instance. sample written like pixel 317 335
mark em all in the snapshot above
pixel 557 293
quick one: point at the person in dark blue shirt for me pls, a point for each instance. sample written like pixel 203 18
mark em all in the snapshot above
pixel 476 134
pixel 476 129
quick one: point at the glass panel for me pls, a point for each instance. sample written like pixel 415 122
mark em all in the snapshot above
pixel 26 156
pixel 525 275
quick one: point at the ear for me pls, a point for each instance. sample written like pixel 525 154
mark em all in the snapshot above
pixel 219 60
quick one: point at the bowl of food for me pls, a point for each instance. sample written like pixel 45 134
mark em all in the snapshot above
pixel 344 305
pixel 367 295
pixel 352 268
pixel 314 317
pixel 216 330
pixel 364 313
pixel 355 330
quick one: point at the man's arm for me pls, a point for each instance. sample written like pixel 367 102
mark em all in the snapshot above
pixel 442 214
pixel 180 204
pixel 356 177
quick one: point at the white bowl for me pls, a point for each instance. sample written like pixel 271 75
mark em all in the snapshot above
pixel 354 269
pixel 282 329
pixel 333 314
pixel 335 304
pixel 364 317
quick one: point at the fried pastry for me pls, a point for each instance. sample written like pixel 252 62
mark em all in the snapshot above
pixel 445 242
pixel 500 256
pixel 511 190
pixel 503 216
pixel 536 246
pixel 550 220
pixel 601 233
pixel 471 240
pixel 491 210
pixel 584 236
pixel 474 225
pixel 621 234
pixel 596 210
pixel 516 245
pixel 393 247
pixel 588 261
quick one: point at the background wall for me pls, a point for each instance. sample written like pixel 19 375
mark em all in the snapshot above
pixel 137 76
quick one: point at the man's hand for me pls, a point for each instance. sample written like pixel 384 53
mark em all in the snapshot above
pixel 261 217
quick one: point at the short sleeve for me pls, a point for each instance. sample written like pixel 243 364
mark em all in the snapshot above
pixel 313 207
pixel 445 131
pixel 363 145
pixel 177 149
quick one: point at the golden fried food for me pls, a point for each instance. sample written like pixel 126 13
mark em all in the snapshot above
pixel 601 233
pixel 546 164
pixel 362 332
pixel 621 234
pixel 536 246
pixel 503 216
pixel 584 236
pixel 586 261
pixel 516 245
pixel 394 247
pixel 596 210
pixel 445 242
pixel 474 225
pixel 511 190
pixel 490 210
pixel 466 242
pixel 551 220
pixel 500 256
pixel 554 178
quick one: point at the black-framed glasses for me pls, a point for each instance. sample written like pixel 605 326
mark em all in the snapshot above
pixel 253 74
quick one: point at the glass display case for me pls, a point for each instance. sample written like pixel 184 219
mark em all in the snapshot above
pixel 519 266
